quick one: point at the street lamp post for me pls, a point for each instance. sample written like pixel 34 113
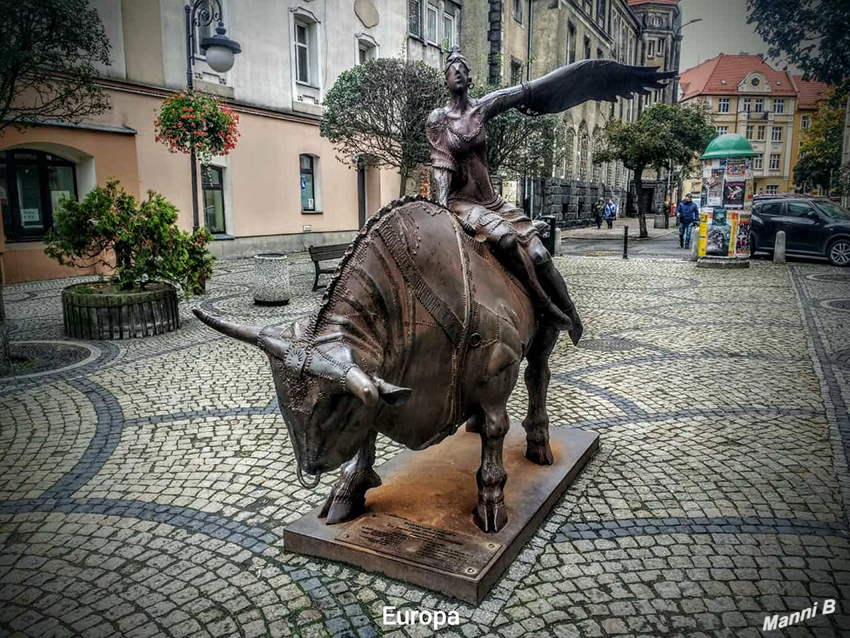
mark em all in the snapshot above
pixel 678 44
pixel 219 50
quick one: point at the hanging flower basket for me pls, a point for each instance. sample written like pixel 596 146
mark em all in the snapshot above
pixel 196 120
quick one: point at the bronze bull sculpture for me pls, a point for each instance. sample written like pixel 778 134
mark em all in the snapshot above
pixel 425 323
pixel 421 330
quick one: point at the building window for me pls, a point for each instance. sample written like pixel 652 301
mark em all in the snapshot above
pixel 571 43
pixel 586 48
pixel 771 189
pixel 776 134
pixel 650 49
pixel 750 132
pixel 774 162
pixel 758 162
pixel 516 72
pixel 723 105
pixel 32 183
pixel 762 132
pixel 366 51
pixel 302 52
pixel 805 122
pixel 599 54
pixel 212 185
pixel 569 150
pixel 721 130
pixel 414 17
pixel 747 105
pixel 433 16
pixel 517 10
pixel 308 183
pixel 778 105
pixel 583 152
pixel 759 105
pixel 601 10
pixel 448 31
pixel 660 47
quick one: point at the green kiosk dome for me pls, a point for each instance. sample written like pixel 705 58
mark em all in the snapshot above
pixel 728 145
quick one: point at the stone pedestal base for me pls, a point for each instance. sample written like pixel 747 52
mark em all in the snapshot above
pixel 418 526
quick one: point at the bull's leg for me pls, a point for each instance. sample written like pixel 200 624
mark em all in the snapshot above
pixel 490 513
pixel 347 500
pixel 537 376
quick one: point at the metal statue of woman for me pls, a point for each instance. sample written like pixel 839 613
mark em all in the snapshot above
pixel 456 134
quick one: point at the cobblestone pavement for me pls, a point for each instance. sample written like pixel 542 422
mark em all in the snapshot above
pixel 144 487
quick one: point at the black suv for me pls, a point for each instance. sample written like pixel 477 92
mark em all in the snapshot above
pixel 813 227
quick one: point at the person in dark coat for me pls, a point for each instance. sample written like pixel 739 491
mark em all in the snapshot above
pixel 687 213
pixel 598 208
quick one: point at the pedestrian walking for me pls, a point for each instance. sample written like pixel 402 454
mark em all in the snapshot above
pixel 687 212
pixel 598 212
pixel 610 213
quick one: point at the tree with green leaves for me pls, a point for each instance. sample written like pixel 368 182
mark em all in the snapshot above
pixel 664 135
pixel 519 145
pixel 820 153
pixel 378 110
pixel 812 36
pixel 49 52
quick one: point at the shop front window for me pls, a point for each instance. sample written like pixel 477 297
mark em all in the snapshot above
pixel 32 183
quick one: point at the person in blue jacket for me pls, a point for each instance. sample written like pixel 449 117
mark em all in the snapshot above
pixel 610 212
pixel 688 214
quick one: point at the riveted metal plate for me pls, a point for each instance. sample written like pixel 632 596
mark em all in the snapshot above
pixel 442 549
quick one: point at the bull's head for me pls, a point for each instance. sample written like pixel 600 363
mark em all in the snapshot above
pixel 322 394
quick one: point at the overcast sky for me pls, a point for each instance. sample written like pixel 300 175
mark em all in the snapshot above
pixel 723 29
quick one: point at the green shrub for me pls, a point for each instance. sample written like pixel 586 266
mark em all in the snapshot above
pixel 139 240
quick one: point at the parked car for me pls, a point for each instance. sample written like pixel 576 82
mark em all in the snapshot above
pixel 813 227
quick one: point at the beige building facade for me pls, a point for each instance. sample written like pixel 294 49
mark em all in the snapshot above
pixel 749 97
pixel 253 199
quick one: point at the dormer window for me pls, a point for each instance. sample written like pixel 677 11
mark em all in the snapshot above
pixel 755 81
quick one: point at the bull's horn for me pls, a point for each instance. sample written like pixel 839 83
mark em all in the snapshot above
pixel 248 334
pixel 392 394
pixel 360 385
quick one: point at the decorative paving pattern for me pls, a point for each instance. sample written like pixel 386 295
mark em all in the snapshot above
pixel 145 492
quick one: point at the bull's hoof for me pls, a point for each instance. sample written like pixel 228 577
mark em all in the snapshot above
pixel 490 517
pixel 339 511
pixel 539 453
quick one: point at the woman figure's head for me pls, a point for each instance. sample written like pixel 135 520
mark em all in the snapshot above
pixel 458 78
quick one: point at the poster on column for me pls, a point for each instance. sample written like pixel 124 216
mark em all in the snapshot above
pixel 719 231
pixel 714 187
pixel 733 194
pixel 736 170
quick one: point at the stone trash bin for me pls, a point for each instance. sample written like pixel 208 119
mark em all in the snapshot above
pixel 271 279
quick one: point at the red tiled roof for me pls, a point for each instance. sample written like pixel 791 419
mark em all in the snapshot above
pixel 721 75
pixel 809 92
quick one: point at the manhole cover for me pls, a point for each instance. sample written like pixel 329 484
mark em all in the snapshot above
pixel 36 358
pixel 836 304
pixel 608 345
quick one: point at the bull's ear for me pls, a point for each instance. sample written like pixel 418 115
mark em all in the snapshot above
pixel 393 394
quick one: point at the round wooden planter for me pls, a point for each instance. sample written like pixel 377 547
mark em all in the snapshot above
pixel 120 315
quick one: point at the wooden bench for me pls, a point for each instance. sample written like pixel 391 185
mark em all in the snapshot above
pixel 325 253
